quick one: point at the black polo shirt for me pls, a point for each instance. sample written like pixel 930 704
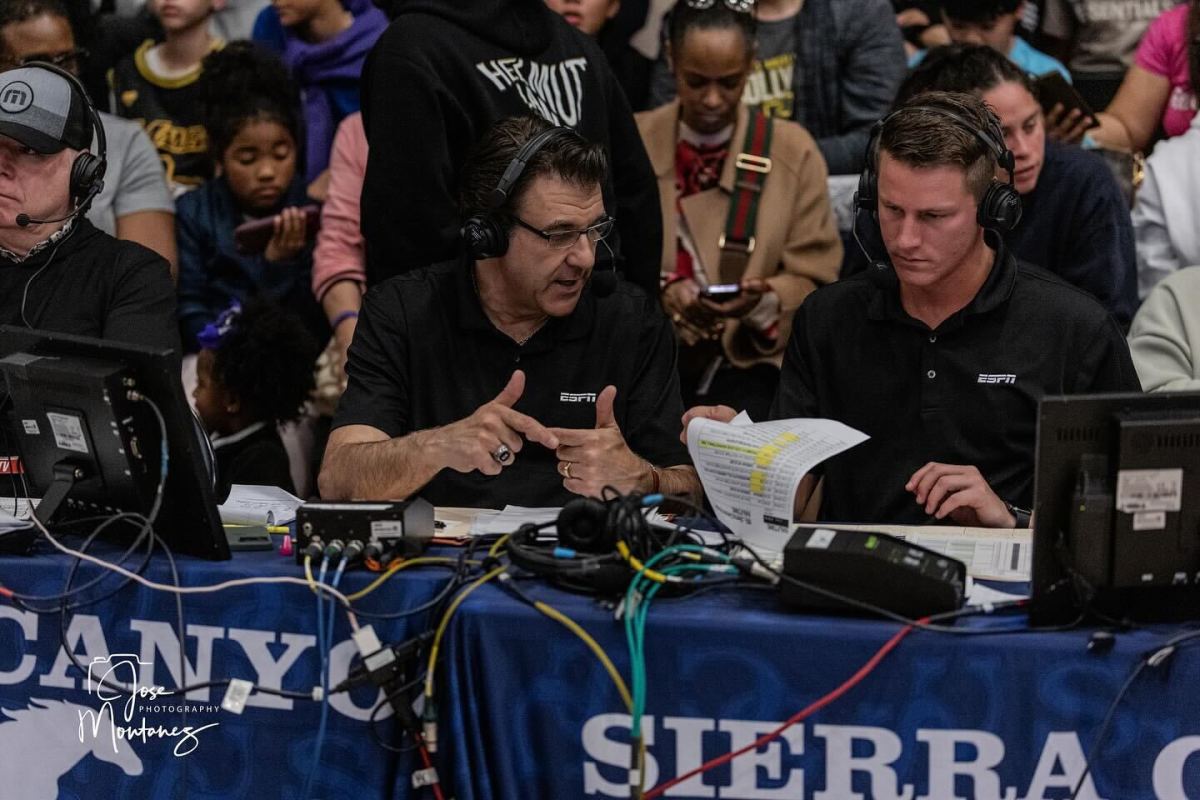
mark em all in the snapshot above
pixel 425 354
pixel 965 393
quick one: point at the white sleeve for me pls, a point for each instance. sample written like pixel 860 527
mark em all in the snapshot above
pixel 1156 256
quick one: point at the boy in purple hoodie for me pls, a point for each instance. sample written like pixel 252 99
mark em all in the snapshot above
pixel 323 43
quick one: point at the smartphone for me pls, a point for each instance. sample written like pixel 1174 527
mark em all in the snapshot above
pixel 721 292
pixel 1052 89
pixel 251 238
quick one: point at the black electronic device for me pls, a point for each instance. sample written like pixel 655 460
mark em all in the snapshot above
pixel 252 238
pixel 720 293
pixel 874 568
pixel 1053 89
pixel 1117 507
pixel 384 528
pixel 82 418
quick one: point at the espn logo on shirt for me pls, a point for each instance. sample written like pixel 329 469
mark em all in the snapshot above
pixel 577 397
pixel 989 377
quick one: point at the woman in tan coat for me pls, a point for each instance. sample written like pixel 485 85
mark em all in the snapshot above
pixel 747 227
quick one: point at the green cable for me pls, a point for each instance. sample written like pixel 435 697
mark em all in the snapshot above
pixel 637 612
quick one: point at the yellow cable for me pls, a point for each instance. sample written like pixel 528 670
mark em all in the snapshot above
pixel 396 567
pixel 652 574
pixel 575 628
pixel 312 584
pixel 498 544
pixel 441 629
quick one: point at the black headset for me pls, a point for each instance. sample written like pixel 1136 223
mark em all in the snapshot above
pixel 87 171
pixel 1000 207
pixel 486 233
pixel 584 558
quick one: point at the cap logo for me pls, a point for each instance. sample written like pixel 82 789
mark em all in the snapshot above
pixel 15 97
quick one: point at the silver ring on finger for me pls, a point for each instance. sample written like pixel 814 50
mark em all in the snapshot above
pixel 502 454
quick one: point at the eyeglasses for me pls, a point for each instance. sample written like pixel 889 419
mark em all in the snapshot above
pixel 741 6
pixel 68 60
pixel 560 240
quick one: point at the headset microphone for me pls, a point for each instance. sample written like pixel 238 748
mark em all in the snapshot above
pixel 604 282
pixel 24 220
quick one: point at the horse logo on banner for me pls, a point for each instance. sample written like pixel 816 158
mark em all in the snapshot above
pixel 46 734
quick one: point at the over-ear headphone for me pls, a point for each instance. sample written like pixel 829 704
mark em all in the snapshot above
pixel 87 171
pixel 585 557
pixel 1000 207
pixel 486 233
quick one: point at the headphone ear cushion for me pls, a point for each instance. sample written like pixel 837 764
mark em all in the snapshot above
pixel 864 197
pixel 485 237
pixel 583 526
pixel 1001 208
pixel 86 171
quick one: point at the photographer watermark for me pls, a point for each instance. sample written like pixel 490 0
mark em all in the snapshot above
pixel 125 704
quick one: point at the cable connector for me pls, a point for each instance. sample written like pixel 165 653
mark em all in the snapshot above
pixel 381 664
pixel 314 548
pixel 353 550
pixel 1160 656
pixel 749 565
pixel 424 777
pixel 333 550
pixel 429 728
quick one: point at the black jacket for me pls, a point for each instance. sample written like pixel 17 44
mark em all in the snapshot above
pixel 93 285
pixel 256 457
pixel 441 74
pixel 1076 224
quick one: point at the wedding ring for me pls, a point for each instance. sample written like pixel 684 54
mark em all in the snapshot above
pixel 677 317
pixel 502 455
pixel 566 470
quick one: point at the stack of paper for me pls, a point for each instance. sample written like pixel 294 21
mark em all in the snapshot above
pixel 751 471
pixel 259 505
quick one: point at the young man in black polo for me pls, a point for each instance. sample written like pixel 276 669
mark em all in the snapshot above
pixel 942 354
pixel 506 378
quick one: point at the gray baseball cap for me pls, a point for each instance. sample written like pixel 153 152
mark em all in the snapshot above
pixel 42 110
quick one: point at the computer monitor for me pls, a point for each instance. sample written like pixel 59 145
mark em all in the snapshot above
pixel 91 446
pixel 1117 507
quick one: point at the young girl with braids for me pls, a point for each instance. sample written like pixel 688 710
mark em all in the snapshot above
pixel 251 111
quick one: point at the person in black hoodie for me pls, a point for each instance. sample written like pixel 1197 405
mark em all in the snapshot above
pixel 57 271
pixel 438 78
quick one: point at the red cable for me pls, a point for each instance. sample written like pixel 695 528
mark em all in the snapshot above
pixel 437 788
pixel 816 706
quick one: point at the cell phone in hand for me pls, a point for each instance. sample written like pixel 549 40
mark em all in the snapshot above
pixel 251 238
pixel 1053 89
pixel 721 292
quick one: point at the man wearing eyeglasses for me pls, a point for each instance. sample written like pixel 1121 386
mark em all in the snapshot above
pixel 135 203
pixel 506 377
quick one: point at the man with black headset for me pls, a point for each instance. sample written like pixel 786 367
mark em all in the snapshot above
pixel 57 271
pixel 513 375
pixel 941 352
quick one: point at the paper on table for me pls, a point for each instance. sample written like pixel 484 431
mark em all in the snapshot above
pixel 751 471
pixel 991 554
pixel 490 523
pixel 8 522
pixel 978 594
pixel 511 518
pixel 259 505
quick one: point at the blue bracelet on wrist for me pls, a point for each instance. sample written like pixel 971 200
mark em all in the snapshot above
pixel 342 317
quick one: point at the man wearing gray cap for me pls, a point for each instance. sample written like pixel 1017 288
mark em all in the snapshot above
pixel 57 271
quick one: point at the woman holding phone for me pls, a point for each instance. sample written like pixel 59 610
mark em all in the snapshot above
pixel 747 226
